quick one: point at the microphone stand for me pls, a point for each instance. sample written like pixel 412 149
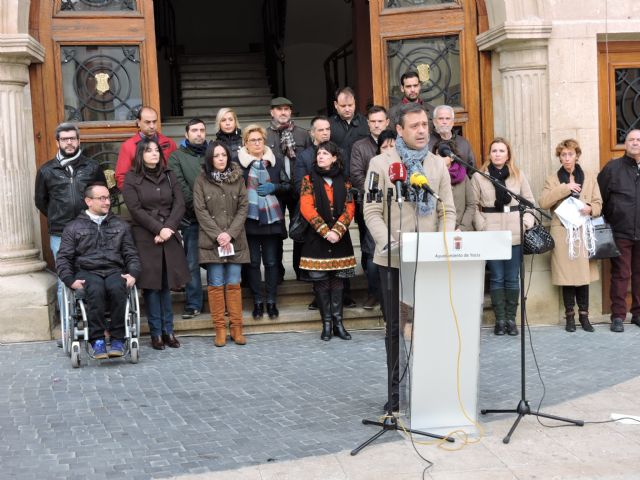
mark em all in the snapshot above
pixel 390 421
pixel 523 408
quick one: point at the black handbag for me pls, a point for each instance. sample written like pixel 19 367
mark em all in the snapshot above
pixel 605 243
pixel 537 240
pixel 298 227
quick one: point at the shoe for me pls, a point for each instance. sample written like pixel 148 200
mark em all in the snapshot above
pixel 313 305
pixel 157 343
pixel 116 349
pixel 499 328
pixel 190 313
pixel 217 306
pixel 234 304
pixel 616 325
pixel 512 329
pixel 583 318
pixel 348 302
pixel 272 310
pixel 370 302
pixel 570 325
pixel 636 320
pixel 258 310
pixel 337 299
pixel 99 350
pixel 170 340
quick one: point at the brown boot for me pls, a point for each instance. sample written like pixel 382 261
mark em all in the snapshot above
pixel 216 307
pixel 234 305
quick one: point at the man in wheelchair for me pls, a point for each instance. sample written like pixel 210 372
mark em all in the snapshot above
pixel 97 253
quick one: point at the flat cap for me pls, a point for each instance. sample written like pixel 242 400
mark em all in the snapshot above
pixel 278 101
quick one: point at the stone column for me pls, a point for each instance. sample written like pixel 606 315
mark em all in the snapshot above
pixel 27 290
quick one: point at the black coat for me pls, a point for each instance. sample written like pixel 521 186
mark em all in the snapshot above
pixel 346 134
pixel 155 203
pixel 231 140
pixel 102 249
pixel 619 183
pixel 59 195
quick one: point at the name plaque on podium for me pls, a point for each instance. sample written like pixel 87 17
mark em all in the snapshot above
pixel 430 342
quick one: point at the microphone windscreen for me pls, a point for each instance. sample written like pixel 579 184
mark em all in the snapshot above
pixel 397 172
pixel 418 180
pixel 444 150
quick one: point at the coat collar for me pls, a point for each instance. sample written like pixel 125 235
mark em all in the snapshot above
pixel 246 159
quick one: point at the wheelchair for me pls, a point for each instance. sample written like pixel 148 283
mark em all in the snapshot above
pixel 75 327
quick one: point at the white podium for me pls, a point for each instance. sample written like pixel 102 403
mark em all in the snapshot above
pixel 431 381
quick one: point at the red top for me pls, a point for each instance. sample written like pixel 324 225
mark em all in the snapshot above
pixel 128 151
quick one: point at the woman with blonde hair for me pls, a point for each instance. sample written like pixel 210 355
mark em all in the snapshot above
pixel 570 264
pixel 497 210
pixel 228 131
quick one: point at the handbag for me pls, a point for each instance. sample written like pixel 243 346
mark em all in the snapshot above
pixel 298 227
pixel 537 240
pixel 605 243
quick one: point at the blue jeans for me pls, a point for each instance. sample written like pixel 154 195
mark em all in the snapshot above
pixel 193 289
pixel 54 244
pixel 263 248
pixel 219 274
pixel 505 273
pixel 157 304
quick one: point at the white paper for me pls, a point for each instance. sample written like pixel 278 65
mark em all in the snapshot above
pixel 226 251
pixel 569 212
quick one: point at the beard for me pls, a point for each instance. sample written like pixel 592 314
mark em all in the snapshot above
pixel 64 154
pixel 445 130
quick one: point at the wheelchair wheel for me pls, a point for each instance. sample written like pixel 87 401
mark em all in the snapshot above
pixel 75 354
pixel 134 351
pixel 135 311
pixel 66 320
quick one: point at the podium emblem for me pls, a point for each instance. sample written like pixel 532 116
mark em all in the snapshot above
pixel 457 242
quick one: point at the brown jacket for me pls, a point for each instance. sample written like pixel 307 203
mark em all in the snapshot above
pixel 564 271
pixel 155 203
pixel 465 202
pixel 486 196
pixel 375 214
pixel 221 207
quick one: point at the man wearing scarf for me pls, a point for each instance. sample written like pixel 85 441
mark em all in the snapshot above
pixel 186 162
pixel 286 140
pixel 421 209
pixel 60 185
pixel 147 122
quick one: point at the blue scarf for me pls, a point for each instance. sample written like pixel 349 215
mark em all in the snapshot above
pixel 412 160
pixel 266 210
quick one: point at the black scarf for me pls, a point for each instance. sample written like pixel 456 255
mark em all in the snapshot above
pixel 198 150
pixel 501 175
pixel 320 195
pixel 153 172
pixel 578 175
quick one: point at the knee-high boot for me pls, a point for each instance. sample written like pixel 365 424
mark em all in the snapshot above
pixel 234 306
pixel 216 306
pixel 336 313
pixel 512 296
pixel 323 300
pixel 498 305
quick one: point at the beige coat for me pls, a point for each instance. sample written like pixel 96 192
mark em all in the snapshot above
pixel 465 202
pixel 564 271
pixel 375 214
pixel 486 196
pixel 221 207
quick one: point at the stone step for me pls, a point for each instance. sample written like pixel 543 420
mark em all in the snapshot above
pixel 189 93
pixel 224 75
pixel 248 110
pixel 256 68
pixel 225 101
pixel 224 83
pixel 221 58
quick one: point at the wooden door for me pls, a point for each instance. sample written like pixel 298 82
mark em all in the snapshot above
pixel 406 34
pixel 619 103
pixel 100 67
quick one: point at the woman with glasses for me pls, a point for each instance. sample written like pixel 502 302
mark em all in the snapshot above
pixel 265 221
pixel 154 199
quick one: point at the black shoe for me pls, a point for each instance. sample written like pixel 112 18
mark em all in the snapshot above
pixel 583 318
pixel 616 325
pixel 499 328
pixel 348 302
pixel 190 313
pixel 511 328
pixel 636 320
pixel 258 310
pixel 313 305
pixel 272 310
pixel 326 331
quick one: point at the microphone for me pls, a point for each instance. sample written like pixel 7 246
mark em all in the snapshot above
pixel 374 178
pixel 420 182
pixel 398 175
pixel 444 150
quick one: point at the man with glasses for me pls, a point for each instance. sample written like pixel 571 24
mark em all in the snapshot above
pixel 60 185
pixel 97 254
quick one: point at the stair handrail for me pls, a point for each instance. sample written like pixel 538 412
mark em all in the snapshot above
pixel 166 37
pixel 274 15
pixel 332 72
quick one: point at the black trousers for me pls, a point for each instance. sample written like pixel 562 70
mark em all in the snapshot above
pixel 100 292
pixel 390 303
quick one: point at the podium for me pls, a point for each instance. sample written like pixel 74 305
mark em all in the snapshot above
pixel 431 343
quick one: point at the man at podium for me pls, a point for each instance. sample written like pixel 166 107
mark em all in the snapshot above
pixel 396 170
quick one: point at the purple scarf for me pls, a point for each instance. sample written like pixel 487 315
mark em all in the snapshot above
pixel 457 173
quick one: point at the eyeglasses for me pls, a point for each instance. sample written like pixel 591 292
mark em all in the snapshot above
pixel 102 199
pixel 68 139
pixel 255 140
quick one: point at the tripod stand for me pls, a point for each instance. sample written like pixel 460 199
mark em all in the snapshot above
pixel 523 408
pixel 390 422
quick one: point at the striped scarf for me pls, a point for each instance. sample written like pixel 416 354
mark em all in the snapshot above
pixel 266 210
